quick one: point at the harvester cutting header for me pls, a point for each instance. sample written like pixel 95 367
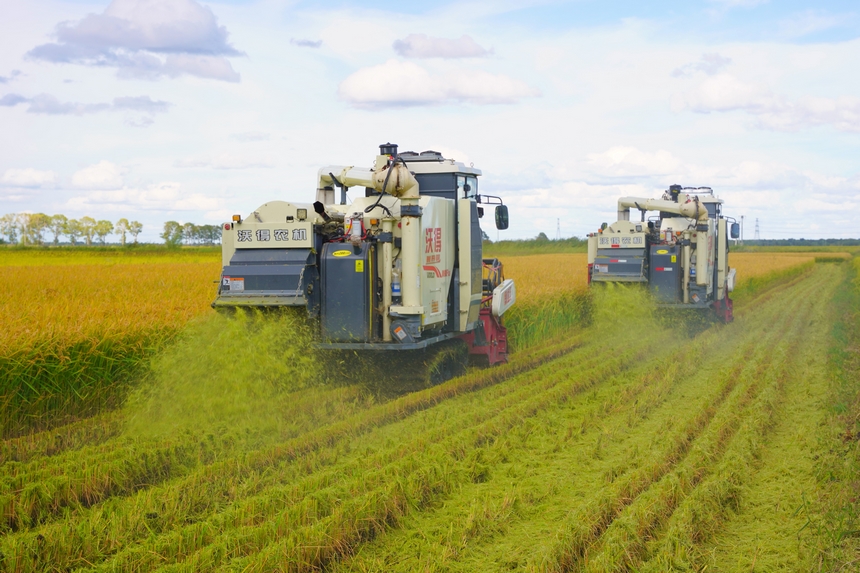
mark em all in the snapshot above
pixel 399 268
pixel 682 253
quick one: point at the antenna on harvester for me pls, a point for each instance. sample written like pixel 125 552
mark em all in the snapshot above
pixel 757 236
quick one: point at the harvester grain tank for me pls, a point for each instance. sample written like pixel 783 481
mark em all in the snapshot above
pixel 681 253
pixel 399 268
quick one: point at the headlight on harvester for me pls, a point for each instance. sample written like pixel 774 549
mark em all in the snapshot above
pixel 301 214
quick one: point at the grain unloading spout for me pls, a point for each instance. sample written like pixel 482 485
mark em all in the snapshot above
pixel 692 208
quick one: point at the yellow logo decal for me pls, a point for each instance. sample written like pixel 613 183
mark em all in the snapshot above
pixel 659 252
pixel 359 266
pixel 674 259
pixel 343 253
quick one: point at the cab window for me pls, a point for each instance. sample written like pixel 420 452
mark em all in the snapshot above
pixel 462 182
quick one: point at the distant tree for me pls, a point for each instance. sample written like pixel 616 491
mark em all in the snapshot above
pixel 58 226
pixel 484 235
pixel 190 233
pixel 33 226
pixel 135 228
pixel 103 229
pixel 542 237
pixel 9 227
pixel 72 229
pixel 121 229
pixel 172 234
pixel 211 234
pixel 88 229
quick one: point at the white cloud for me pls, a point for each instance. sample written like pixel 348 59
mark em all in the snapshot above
pixel 225 161
pixel 165 197
pixel 620 161
pixel 709 64
pixel 250 136
pixel 102 175
pixel 424 46
pixel 808 22
pixel 725 93
pixel 306 43
pixel 739 3
pixel 12 76
pixel 146 39
pixel 408 84
pixel 31 178
pixel 49 105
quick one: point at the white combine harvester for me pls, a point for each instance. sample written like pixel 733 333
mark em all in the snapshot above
pixel 400 268
pixel 681 253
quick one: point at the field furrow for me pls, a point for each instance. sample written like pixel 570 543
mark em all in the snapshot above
pixel 253 518
pixel 624 544
pixel 773 525
pixel 506 522
pixel 640 442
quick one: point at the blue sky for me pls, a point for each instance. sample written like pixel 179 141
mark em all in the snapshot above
pixel 186 110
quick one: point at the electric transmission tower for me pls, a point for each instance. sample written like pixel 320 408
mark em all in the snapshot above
pixel 557 229
pixel 757 236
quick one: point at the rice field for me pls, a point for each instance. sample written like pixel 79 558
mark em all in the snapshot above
pixel 610 442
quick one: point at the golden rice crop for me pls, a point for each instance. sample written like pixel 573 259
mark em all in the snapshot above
pixel 22 257
pixel 750 265
pixel 75 333
pixel 70 303
pixel 538 276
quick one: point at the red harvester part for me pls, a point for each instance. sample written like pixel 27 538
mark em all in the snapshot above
pixel 495 343
pixel 724 310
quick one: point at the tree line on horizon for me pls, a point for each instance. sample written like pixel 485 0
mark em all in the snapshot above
pixel 176 234
pixel 31 228
pixel 35 229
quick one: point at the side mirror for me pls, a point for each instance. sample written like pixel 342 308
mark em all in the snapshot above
pixel 735 231
pixel 480 212
pixel 501 217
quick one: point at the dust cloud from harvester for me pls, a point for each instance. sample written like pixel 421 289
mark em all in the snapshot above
pixel 228 370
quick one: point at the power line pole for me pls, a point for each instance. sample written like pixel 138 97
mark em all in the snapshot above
pixel 757 236
pixel 557 229
pixel 742 230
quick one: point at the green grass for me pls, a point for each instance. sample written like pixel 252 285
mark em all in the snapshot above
pixel 840 438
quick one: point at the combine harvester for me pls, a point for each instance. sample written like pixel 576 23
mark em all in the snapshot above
pixel 682 253
pixel 398 269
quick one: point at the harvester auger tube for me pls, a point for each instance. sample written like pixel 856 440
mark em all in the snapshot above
pixel 681 253
pixel 397 269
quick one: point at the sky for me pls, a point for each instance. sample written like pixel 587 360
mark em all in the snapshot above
pixel 186 110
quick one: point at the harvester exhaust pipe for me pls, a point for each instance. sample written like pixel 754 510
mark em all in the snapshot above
pixel 319 208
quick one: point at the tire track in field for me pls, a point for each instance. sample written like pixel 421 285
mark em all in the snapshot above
pixel 212 487
pixel 73 539
pixel 631 534
pixel 35 492
pixel 624 544
pixel 531 394
pixel 293 550
pixel 774 525
pixel 378 559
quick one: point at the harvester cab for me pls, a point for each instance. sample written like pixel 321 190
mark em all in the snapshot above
pixel 398 268
pixel 681 253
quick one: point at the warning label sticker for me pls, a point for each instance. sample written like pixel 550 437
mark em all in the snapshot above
pixel 237 284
